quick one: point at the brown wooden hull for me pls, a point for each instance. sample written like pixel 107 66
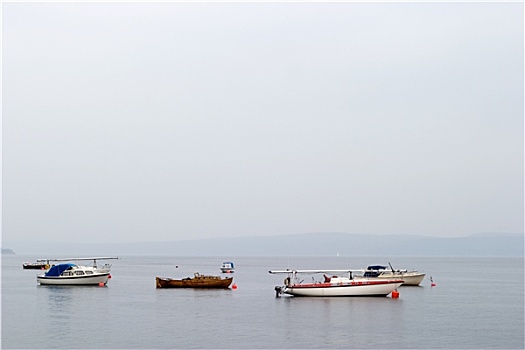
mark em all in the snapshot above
pixel 196 282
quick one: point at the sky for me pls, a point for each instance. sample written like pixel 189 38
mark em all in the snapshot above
pixel 182 120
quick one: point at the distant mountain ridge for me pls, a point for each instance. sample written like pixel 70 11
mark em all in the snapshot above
pixel 307 244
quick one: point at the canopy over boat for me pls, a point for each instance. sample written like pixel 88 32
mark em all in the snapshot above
pixel 58 269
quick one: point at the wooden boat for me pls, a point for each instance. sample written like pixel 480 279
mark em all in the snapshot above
pixel 198 281
pixel 334 286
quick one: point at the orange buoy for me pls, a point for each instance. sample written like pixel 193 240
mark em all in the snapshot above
pixel 395 294
pixel 101 284
pixel 234 286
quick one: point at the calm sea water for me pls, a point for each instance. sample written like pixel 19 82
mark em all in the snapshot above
pixel 477 304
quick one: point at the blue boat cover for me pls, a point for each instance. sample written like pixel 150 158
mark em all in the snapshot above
pixel 376 267
pixel 58 269
pixel 227 262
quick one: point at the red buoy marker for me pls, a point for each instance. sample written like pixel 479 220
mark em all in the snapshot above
pixel 234 286
pixel 432 284
pixel 395 294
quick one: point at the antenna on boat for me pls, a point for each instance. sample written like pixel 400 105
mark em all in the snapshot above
pixel 391 266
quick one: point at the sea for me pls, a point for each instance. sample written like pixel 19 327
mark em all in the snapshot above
pixel 476 303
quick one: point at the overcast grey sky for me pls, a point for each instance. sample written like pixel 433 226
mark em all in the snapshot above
pixel 168 121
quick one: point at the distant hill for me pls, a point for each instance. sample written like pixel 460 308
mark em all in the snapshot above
pixel 308 244
pixel 7 251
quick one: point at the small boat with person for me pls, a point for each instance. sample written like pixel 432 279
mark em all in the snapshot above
pixel 228 267
pixel 335 285
pixel 410 278
pixel 197 281
pixel 72 274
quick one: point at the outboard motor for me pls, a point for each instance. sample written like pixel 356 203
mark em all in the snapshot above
pixel 278 291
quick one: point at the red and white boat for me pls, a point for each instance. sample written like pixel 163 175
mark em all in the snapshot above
pixel 334 285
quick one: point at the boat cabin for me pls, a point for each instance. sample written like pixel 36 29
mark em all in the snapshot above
pixel 60 269
pixel 227 267
pixel 374 270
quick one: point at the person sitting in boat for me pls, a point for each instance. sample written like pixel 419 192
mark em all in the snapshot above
pixel 326 278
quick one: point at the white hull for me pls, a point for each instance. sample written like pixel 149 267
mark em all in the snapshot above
pixel 409 278
pixel 74 280
pixel 354 288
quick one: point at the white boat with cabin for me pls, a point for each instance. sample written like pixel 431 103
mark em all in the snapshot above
pixel 72 274
pixel 228 267
pixel 335 285
pixel 410 278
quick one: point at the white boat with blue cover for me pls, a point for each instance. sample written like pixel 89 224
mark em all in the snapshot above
pixel 335 285
pixel 228 267
pixel 76 275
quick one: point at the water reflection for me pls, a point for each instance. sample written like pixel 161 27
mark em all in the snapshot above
pixel 66 308
pixel 352 319
pixel 59 303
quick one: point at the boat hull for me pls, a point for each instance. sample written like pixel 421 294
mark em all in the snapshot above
pixel 201 282
pixel 354 288
pixel 74 280
pixel 35 266
pixel 409 279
